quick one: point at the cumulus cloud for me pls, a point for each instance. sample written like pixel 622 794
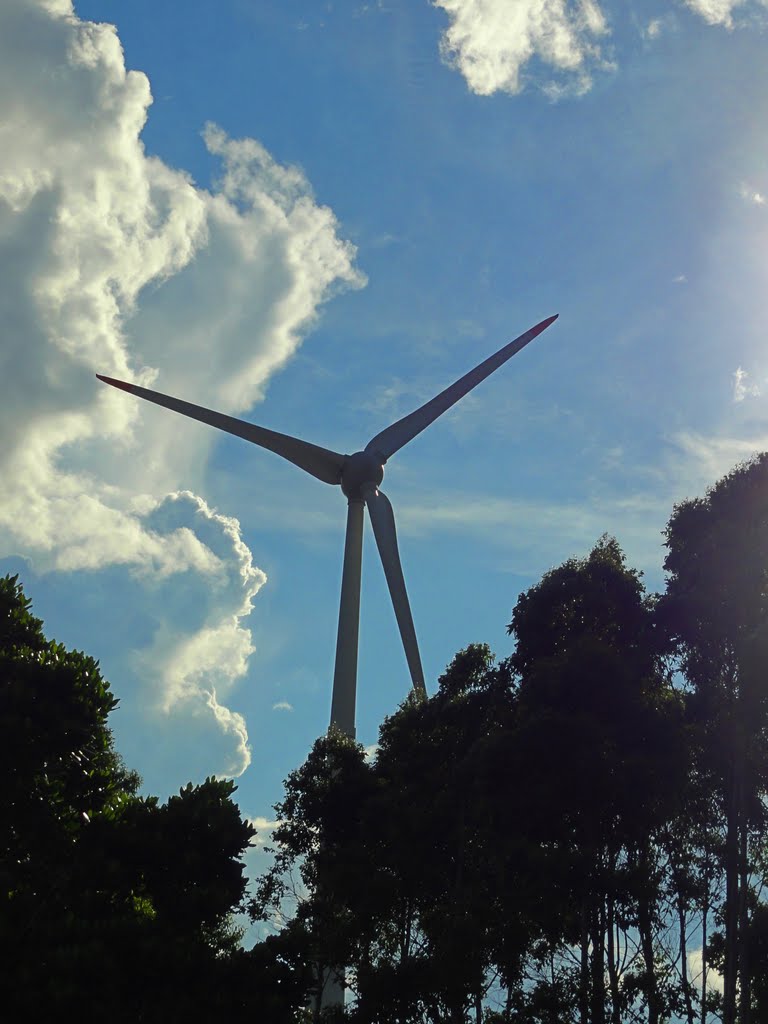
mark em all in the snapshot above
pixel 741 389
pixel 715 12
pixel 232 724
pixel 115 262
pixel 715 980
pixel 264 829
pixel 492 41
pixel 202 646
pixel 720 12
pixel 500 46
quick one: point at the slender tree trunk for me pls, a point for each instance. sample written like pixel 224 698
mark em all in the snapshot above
pixel 433 1012
pixel 554 1012
pixel 584 971
pixel 646 944
pixel 732 888
pixel 645 928
pixel 405 951
pixel 704 915
pixel 457 1014
pixel 613 977
pixel 598 962
pixel 744 986
pixel 684 957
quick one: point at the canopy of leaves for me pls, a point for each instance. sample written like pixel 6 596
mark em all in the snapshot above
pixel 529 837
pixel 113 906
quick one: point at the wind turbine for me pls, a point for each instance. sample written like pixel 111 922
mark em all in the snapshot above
pixel 359 477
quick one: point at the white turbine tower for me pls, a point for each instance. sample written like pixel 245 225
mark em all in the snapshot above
pixel 359 476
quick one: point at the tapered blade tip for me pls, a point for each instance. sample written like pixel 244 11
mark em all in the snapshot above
pixel 113 382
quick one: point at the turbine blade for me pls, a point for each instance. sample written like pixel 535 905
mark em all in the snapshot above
pixel 383 522
pixel 320 462
pixel 392 438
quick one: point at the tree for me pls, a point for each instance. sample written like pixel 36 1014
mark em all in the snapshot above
pixel 716 613
pixel 599 740
pixel 60 774
pixel 397 855
pixel 114 906
pixel 508 830
pixel 554 828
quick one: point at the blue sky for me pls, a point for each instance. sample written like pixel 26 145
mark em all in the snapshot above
pixel 317 216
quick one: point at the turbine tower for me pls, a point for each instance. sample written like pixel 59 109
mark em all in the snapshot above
pixel 359 477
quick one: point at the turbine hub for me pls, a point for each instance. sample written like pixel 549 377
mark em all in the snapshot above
pixel 360 469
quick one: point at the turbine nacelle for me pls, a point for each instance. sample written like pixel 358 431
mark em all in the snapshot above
pixel 359 471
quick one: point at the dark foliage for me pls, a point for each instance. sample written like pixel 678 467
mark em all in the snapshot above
pixel 113 906
pixel 574 834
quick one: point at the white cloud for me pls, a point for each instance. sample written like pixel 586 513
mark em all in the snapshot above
pixel 264 829
pixel 715 980
pixel 654 28
pixel 719 12
pixel 491 41
pixel 741 389
pixel 113 261
pixel 751 195
pixel 494 43
pixel 232 724
pixel 715 12
pixel 282 705
pixel 201 646
pixel 545 531
pixel 710 457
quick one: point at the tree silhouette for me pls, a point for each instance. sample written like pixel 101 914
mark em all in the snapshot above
pixel 716 613
pixel 533 835
pixel 114 906
pixel 543 841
